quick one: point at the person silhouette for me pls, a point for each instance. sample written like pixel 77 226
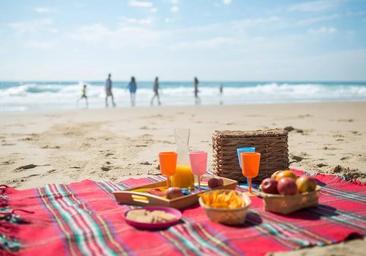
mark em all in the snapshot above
pixel 196 91
pixel 132 87
pixel 84 95
pixel 221 91
pixel 108 91
pixel 156 92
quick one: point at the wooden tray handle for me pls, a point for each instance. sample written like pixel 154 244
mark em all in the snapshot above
pixel 132 197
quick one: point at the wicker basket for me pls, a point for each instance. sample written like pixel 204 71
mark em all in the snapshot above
pixel 227 216
pixel 288 204
pixel 272 144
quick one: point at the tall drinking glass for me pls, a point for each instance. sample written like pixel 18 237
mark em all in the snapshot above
pixel 250 166
pixel 183 176
pixel 168 164
pixel 198 164
pixel 242 150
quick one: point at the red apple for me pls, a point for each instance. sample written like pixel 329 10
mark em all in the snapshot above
pixel 287 186
pixel 174 192
pixel 221 182
pixel 269 186
pixel 215 182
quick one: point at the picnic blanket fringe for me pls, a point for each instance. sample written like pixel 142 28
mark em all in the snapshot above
pixel 9 223
pixel 9 244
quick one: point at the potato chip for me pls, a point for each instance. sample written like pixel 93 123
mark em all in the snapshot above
pixel 223 199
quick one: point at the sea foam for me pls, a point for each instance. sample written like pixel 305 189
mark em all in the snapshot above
pixel 16 96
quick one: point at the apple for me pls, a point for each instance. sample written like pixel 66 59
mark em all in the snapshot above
pixel 174 192
pixel 287 186
pixel 287 173
pixel 269 186
pixel 221 182
pixel 305 184
pixel 215 182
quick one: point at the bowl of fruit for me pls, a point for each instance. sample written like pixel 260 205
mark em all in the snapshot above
pixel 284 192
pixel 225 206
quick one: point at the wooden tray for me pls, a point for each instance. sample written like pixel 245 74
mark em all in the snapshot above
pixel 132 197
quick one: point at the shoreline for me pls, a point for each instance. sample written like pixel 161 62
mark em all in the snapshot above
pixel 128 107
pixel 39 96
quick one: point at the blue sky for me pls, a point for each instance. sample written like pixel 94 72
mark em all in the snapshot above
pixel 179 39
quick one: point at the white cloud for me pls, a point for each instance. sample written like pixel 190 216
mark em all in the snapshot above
pixel 315 6
pixel 145 4
pixel 255 22
pixel 323 30
pixel 210 43
pixel 133 21
pixel 168 20
pixel 226 2
pixel 40 25
pixel 140 3
pixel 174 8
pixel 42 10
pixel 116 38
pixel 314 20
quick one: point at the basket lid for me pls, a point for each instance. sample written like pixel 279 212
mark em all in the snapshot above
pixel 256 133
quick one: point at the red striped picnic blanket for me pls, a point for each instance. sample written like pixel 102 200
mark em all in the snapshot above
pixel 83 218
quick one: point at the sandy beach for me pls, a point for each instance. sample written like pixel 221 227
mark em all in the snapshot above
pixel 111 144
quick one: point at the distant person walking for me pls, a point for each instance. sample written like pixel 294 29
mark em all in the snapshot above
pixel 156 92
pixel 196 91
pixel 83 95
pixel 132 87
pixel 108 91
pixel 221 91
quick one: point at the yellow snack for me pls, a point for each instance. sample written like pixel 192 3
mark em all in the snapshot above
pixel 223 199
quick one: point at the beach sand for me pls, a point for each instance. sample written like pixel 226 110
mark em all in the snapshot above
pixel 111 144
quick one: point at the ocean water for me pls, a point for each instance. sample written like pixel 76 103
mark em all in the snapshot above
pixel 36 95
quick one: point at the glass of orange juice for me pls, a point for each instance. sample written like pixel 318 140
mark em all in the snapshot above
pixel 183 176
pixel 168 164
pixel 250 166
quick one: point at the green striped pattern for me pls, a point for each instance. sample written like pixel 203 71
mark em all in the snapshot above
pixel 85 232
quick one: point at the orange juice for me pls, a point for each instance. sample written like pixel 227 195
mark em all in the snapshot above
pixel 168 162
pixel 250 164
pixel 183 177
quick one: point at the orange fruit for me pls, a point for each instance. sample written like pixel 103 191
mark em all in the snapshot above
pixel 287 174
pixel 273 176
pixel 305 184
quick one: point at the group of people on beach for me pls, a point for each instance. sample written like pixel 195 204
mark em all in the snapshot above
pixel 132 87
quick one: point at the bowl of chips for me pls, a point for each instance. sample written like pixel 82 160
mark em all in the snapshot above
pixel 225 206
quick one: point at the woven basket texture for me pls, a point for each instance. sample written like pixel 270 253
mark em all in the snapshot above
pixel 272 144
pixel 289 204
